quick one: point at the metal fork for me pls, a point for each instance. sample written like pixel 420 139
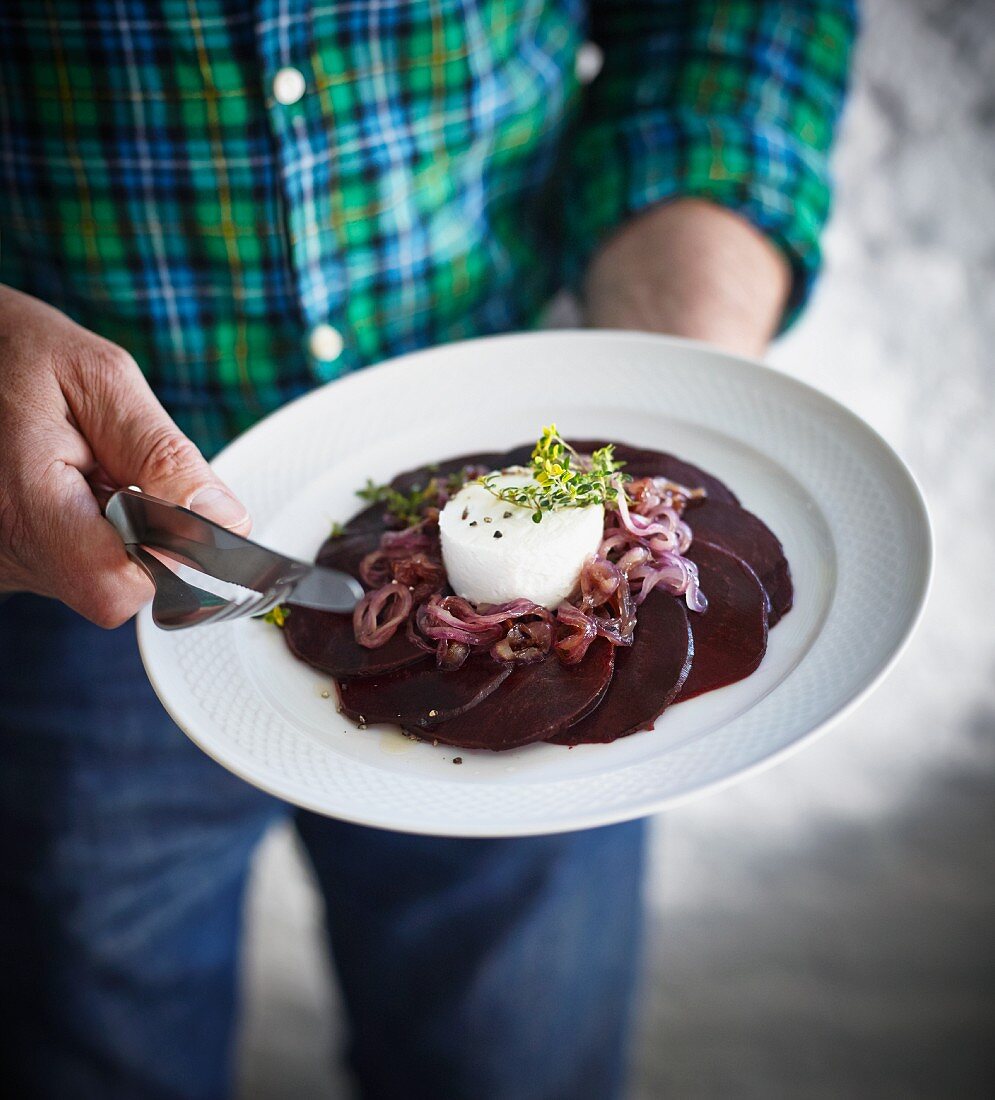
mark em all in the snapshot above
pixel 146 523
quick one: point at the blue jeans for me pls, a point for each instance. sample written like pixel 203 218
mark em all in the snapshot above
pixel 470 968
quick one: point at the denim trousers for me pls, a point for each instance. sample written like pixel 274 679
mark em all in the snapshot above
pixel 489 969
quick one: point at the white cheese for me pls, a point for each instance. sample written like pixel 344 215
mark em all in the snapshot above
pixel 494 551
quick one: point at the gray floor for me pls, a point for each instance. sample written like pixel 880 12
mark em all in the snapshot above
pixel 826 928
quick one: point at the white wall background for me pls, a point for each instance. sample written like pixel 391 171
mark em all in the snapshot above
pixel 826 928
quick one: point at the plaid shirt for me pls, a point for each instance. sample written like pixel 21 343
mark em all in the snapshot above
pixel 226 187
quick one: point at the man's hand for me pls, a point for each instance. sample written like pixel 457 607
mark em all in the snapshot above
pixel 690 268
pixel 73 404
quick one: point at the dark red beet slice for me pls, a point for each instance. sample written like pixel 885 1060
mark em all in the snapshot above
pixel 422 696
pixel 534 704
pixel 372 518
pixel 730 638
pixel 743 534
pixel 517 456
pixel 648 675
pixel 326 640
pixel 347 550
pixel 642 462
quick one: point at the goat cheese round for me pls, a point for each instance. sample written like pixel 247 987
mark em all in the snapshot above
pixel 494 551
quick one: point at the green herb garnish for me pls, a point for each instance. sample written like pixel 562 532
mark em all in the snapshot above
pixel 406 508
pixel 563 479
pixel 337 530
pixel 455 481
pixel 277 616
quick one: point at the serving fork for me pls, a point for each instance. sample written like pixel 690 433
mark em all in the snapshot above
pixel 146 523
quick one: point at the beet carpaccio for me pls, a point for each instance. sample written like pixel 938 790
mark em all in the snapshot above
pixel 568 592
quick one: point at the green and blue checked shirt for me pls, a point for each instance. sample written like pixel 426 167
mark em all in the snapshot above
pixel 227 187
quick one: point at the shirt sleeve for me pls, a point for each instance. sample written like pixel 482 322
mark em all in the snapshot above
pixel 734 101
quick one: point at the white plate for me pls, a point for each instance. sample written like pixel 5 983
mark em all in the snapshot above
pixel 852 520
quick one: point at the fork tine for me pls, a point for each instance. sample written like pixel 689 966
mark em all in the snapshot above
pixel 255 605
pixel 177 603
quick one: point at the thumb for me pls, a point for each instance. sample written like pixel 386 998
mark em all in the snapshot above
pixel 137 443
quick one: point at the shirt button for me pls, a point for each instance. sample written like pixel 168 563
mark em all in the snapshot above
pixel 588 63
pixel 325 343
pixel 289 86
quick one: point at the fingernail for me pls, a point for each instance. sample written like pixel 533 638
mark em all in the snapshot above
pixel 216 504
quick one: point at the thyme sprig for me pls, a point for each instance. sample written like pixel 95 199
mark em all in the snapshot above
pixel 407 509
pixel 562 477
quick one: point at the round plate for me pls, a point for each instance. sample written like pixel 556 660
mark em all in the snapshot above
pixel 852 520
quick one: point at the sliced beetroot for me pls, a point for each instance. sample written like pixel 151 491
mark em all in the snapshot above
pixel 347 550
pixel 648 675
pixel 534 704
pixel 422 696
pixel 372 518
pixel 643 462
pixel 517 456
pixel 325 639
pixel 730 638
pixel 743 534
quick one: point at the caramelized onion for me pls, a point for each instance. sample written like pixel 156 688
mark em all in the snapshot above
pixel 370 630
pixel 646 538
pixel 451 655
pixel 518 631
pixel 527 640
pixel 421 538
pixel 599 580
pixel 418 570
pixel 677 575
pixel 607 597
pixel 576 632
pixel 411 557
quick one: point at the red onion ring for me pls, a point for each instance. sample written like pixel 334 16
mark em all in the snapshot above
pixel 452 621
pixel 370 631
pixel 577 631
